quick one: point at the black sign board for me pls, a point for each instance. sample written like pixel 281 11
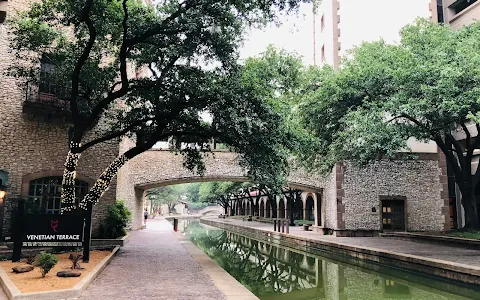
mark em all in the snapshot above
pixel 52 230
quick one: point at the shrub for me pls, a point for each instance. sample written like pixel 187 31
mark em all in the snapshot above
pixel 75 258
pixel 303 222
pixel 31 257
pixel 116 222
pixel 46 261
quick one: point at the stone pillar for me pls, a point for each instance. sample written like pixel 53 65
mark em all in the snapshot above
pixel 304 202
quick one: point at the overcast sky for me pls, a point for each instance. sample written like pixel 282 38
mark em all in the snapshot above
pixel 295 34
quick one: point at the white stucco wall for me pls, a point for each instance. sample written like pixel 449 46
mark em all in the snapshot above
pixel 325 36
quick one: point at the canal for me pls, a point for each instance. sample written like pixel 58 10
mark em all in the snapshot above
pixel 277 273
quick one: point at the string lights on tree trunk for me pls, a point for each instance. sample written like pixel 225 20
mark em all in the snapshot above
pixel 68 182
pixel 103 182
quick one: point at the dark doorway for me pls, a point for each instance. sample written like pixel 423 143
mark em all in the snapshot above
pixel 393 215
pixel 262 209
pixel 281 208
pixel 309 209
pixel 269 209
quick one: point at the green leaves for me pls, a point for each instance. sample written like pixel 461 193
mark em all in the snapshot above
pixel 383 94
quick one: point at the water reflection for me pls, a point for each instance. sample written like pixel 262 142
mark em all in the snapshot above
pixel 273 272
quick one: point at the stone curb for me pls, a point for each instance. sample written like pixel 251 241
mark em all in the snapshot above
pixel 225 282
pixel 437 239
pixel 111 242
pixel 13 293
pixel 427 266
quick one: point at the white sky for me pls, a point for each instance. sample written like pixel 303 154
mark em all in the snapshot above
pixel 294 35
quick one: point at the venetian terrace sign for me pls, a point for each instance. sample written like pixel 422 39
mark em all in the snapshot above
pixel 52 231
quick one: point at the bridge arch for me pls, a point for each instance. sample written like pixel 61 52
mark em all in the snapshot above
pixel 156 168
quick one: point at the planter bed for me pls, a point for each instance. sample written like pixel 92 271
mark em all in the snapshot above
pixel 31 285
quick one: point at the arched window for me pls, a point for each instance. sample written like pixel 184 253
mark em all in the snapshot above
pixel 45 193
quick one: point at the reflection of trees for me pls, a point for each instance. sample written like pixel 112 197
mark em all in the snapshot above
pixel 260 267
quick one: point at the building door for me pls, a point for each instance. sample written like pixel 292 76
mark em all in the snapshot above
pixel 393 215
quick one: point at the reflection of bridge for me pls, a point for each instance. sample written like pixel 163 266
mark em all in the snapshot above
pixel 285 273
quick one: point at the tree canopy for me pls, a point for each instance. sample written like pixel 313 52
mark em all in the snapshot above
pixel 425 87
pixel 147 71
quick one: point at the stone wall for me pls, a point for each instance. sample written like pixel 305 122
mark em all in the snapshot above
pixel 126 189
pixel 418 181
pixel 34 146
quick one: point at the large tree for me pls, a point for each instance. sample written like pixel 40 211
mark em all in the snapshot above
pixel 220 192
pixel 190 50
pixel 426 87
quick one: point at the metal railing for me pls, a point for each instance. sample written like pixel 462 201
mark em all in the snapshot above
pixel 47 94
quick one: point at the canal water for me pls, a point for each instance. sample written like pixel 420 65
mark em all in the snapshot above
pixel 278 273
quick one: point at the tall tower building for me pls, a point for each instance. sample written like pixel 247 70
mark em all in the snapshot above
pixel 342 24
pixel 458 13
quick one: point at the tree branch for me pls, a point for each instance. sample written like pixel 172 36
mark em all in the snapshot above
pixel 458 150
pixel 112 135
pixel 79 65
pixel 459 176
pixel 163 27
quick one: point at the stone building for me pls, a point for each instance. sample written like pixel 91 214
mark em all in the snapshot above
pixel 33 129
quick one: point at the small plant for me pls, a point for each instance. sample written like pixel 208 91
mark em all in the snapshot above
pixel 31 257
pixel 75 258
pixel 116 222
pixel 303 222
pixel 46 261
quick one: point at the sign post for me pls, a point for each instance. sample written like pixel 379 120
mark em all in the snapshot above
pixel 18 232
pixel 88 233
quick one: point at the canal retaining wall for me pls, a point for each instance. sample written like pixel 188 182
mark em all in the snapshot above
pixel 364 256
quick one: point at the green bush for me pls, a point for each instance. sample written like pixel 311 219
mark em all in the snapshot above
pixel 116 222
pixel 46 261
pixel 303 222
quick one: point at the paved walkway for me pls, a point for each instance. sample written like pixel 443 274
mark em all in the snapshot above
pixel 153 265
pixel 452 254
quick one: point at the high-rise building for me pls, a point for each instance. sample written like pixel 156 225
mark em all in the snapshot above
pixel 342 24
pixel 458 13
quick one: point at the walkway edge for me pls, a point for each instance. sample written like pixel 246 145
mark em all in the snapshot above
pixel 225 282
pixel 427 266
pixel 13 293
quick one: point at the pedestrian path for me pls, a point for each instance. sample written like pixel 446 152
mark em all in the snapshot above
pixel 464 256
pixel 153 265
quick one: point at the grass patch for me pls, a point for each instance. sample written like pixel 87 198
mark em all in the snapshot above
pixel 464 234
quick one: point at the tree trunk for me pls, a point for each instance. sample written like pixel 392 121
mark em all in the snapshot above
pixel 469 203
pixel 68 182
pixel 103 182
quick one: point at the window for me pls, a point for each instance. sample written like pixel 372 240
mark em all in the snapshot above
pixel 48 88
pixel 461 5
pixel 322 23
pixel 46 69
pixel 45 193
pixel 322 53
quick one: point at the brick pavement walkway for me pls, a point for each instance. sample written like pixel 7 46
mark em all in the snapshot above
pixel 153 265
pixel 447 253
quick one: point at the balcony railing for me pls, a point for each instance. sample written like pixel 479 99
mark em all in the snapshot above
pixel 46 99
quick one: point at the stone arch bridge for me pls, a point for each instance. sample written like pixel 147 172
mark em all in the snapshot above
pixel 155 168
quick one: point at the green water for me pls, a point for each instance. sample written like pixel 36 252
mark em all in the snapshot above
pixel 272 272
